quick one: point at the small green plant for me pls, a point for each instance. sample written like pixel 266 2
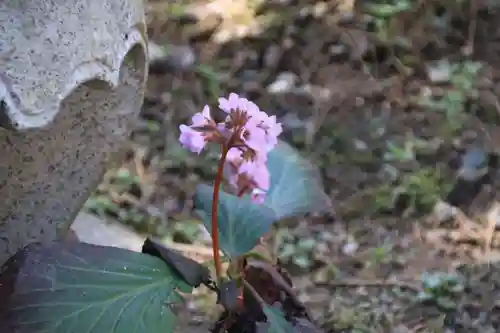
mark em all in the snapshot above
pixel 349 318
pixel 73 287
pixel 410 192
pixel 453 101
pixel 210 78
pixel 379 255
pixel 119 196
pixel 295 250
pixel 441 289
pixel 422 187
pixel 409 187
pixel 395 153
pixel 383 11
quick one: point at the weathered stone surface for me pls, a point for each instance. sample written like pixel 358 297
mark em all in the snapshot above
pixel 72 75
pixel 49 48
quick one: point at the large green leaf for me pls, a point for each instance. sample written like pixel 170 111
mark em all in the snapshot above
pixel 296 186
pixel 241 222
pixel 83 288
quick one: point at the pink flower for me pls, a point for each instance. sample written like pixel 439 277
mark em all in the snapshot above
pixel 202 118
pixel 230 104
pixel 234 155
pixel 257 173
pixel 257 130
pixel 234 159
pixel 271 128
pixel 237 103
pixel 249 133
pixel 255 138
pixel 192 139
pixel 250 107
pixel 246 176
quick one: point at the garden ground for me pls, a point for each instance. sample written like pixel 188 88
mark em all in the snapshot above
pixel 395 101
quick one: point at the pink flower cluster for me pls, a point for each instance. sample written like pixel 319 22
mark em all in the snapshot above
pixel 247 135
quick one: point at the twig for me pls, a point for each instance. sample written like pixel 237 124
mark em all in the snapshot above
pixel 139 168
pixel 274 274
pixel 491 223
pixel 468 48
pixel 280 282
pixel 254 293
pixel 371 283
pixel 196 250
pixel 124 197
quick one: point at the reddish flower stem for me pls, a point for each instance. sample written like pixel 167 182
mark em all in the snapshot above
pixel 215 206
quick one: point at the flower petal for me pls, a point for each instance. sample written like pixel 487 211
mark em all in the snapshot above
pixel 191 139
pixel 202 118
pixel 229 104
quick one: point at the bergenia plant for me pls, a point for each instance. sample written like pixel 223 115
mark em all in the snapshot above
pixel 74 287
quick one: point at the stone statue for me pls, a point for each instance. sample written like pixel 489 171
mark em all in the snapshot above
pixel 72 76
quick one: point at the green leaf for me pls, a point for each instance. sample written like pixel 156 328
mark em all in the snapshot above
pixel 296 186
pixel 446 303
pixel 241 222
pixel 276 322
pixel 228 294
pixel 83 288
pixel 192 272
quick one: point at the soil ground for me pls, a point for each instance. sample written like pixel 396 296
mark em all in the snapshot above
pixel 363 96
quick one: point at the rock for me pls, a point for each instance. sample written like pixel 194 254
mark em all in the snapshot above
pixel 350 247
pixel 443 211
pixel 284 82
pixel 439 71
pixel 357 41
pixel 318 94
pixel 320 9
pixel 170 58
pixel 273 56
pixel 90 229
pixel 474 164
pixel 337 50
pixel 346 18
pixel 156 52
